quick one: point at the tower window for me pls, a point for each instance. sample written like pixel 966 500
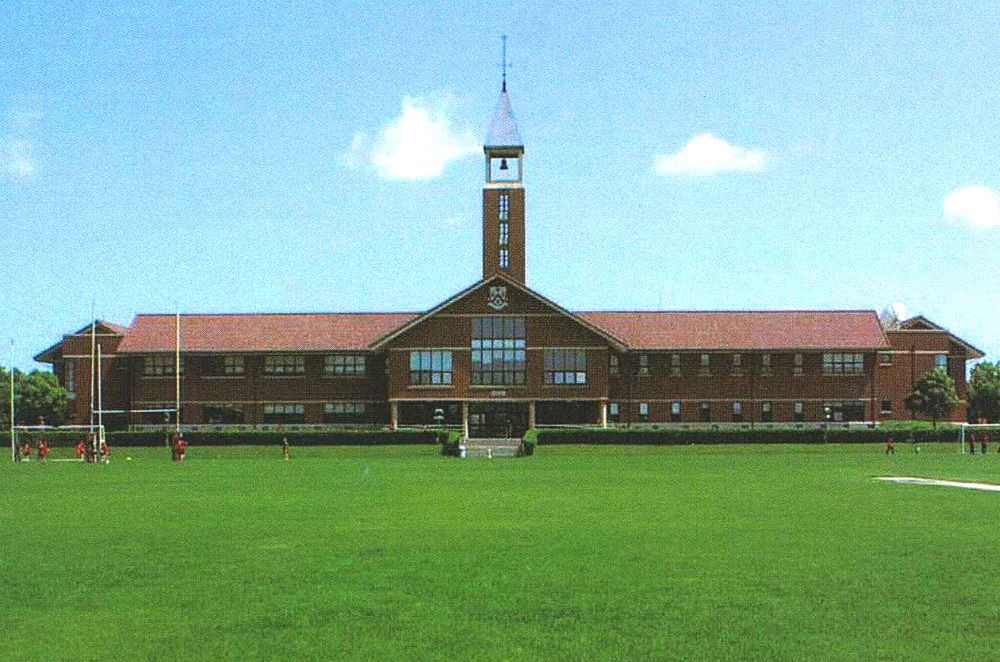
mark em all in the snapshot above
pixel 504 206
pixel 504 234
pixel 504 258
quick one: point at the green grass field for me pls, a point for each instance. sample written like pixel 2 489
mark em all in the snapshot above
pixel 578 552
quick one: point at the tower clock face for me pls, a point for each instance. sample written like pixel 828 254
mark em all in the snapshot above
pixel 505 169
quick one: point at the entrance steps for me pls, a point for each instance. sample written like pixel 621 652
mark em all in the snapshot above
pixel 491 448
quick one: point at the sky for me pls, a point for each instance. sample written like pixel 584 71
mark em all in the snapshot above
pixel 326 156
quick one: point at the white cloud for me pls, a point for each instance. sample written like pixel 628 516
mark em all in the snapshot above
pixel 416 145
pixel 18 163
pixel 977 206
pixel 707 154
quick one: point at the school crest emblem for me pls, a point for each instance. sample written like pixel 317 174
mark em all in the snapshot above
pixel 498 298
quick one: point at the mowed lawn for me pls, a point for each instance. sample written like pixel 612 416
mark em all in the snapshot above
pixel 696 552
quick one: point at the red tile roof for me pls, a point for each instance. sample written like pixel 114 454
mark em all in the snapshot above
pixel 261 333
pixel 743 329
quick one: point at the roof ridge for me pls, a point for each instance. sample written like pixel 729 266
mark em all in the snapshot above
pixel 274 314
pixel 727 311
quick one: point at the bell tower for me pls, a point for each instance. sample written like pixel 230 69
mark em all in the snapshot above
pixel 503 194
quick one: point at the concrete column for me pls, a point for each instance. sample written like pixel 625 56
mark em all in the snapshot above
pixel 604 414
pixel 531 415
pixel 393 415
pixel 465 420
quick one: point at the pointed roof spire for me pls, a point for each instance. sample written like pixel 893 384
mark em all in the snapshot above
pixel 503 127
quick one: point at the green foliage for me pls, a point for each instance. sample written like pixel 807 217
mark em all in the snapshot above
pixel 530 441
pixel 934 396
pixel 450 440
pixel 37 395
pixel 677 435
pixel 626 552
pixel 984 392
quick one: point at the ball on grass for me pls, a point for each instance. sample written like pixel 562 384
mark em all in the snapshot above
pixel 128 457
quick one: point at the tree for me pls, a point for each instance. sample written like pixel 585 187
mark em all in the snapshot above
pixel 934 396
pixel 37 395
pixel 984 392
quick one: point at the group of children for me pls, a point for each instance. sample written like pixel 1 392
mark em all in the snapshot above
pixel 25 450
pixel 85 451
pixel 984 443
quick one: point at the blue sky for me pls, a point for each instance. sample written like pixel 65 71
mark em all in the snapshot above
pixel 324 157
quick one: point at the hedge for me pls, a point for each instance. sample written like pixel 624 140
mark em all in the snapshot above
pixel 248 438
pixel 783 435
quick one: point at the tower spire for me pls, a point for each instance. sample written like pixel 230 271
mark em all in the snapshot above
pixel 503 40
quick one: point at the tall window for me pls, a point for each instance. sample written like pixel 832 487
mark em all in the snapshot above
pixel 675 412
pixel 765 365
pixel 430 367
pixel 160 365
pixel 941 361
pixel 737 412
pixel 797 369
pixel 69 375
pixel 705 365
pixel 504 231
pixel 614 412
pixel 344 412
pixel 705 412
pixel 766 415
pixel 643 365
pixel 675 365
pixel 344 364
pixel 566 366
pixel 843 364
pixel 284 413
pixel 284 364
pixel 498 355
pixel 614 365
pixel 644 411
pixel 800 411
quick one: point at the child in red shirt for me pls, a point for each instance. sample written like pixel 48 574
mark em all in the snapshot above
pixel 80 449
pixel 43 451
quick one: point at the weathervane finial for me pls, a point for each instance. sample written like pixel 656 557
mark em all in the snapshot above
pixel 503 39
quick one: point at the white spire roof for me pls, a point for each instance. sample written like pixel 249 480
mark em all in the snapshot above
pixel 503 126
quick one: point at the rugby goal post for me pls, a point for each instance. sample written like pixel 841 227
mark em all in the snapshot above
pixel 974 433
pixel 97 431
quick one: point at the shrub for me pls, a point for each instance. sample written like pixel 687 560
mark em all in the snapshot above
pixel 450 441
pixel 151 439
pixel 530 441
pixel 744 435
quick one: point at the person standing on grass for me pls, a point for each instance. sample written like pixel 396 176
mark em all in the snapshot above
pixel 43 451
pixel 181 448
pixel 984 442
pixel 175 447
pixel 105 452
pixel 285 449
pixel 81 448
pixel 890 445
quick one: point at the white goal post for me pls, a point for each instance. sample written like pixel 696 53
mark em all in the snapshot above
pixel 975 433
pixel 97 431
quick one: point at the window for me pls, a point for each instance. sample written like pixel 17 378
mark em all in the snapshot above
pixel 223 366
pixel 69 375
pixel 344 364
pixel 614 365
pixel 843 364
pixel 705 366
pixel 737 412
pixel 941 361
pixel 675 412
pixel 566 366
pixel 644 411
pixel 160 365
pixel 885 358
pixel 614 412
pixel 430 368
pixel 675 365
pixel 887 406
pixel 766 416
pixel 284 364
pixel 284 413
pixel 504 234
pixel 504 258
pixel 222 413
pixel 705 412
pixel 504 206
pixel 852 410
pixel 800 411
pixel 498 356
pixel 344 412
pixel 797 370
pixel 643 365
pixel 765 365
pixel 737 360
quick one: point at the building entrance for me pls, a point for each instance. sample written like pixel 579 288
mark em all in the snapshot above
pixel 498 420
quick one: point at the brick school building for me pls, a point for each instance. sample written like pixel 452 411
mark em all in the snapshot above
pixel 498 357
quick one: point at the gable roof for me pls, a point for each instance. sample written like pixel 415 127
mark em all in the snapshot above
pixel 921 323
pixel 778 330
pixel 613 340
pixel 260 332
pixel 101 327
